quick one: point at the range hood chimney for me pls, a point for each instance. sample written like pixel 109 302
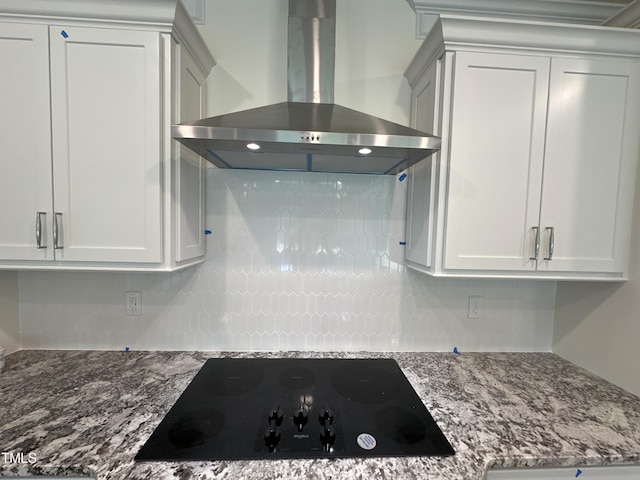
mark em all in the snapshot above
pixel 308 132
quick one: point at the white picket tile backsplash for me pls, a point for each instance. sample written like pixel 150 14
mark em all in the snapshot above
pixel 295 261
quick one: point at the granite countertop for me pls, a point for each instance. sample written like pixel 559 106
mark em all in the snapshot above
pixel 88 412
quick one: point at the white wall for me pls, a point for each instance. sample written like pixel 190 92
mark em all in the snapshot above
pixel 597 326
pixel 9 312
pixel 295 261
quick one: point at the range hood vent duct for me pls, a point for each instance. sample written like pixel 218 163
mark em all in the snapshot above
pixel 308 132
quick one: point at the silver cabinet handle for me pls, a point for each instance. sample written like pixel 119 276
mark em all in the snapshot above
pixel 551 243
pixel 537 247
pixel 55 231
pixel 39 216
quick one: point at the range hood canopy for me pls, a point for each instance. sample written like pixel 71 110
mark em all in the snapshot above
pixel 309 132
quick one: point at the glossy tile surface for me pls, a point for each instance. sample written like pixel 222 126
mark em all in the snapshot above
pixel 295 261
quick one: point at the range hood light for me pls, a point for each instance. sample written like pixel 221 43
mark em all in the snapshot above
pixel 253 146
pixel 364 151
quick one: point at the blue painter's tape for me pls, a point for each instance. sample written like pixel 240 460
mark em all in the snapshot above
pixel 455 350
pixel 402 177
pixel 207 232
pixel 64 34
pixel 403 243
pixel 578 473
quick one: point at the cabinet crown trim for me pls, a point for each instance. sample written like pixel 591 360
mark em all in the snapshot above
pixel 454 32
pixel 569 11
pixel 165 16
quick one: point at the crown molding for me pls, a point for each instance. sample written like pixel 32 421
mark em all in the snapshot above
pixel 451 33
pixel 164 16
pixel 562 11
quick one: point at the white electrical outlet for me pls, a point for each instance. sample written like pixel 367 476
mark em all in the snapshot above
pixel 475 306
pixel 133 305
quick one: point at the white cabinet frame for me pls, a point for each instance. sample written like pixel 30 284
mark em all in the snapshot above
pixel 555 110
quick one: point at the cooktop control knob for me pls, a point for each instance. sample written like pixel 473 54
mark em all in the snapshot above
pixel 327 436
pixel 276 414
pixel 326 416
pixel 300 418
pixel 272 435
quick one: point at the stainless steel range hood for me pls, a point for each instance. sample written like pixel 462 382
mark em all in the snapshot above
pixel 309 132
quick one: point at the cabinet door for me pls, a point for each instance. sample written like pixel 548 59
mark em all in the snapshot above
pixel 25 142
pixel 496 157
pixel 190 168
pixel 421 176
pixel 591 151
pixel 106 114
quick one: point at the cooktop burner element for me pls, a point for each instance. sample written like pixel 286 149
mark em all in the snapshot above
pixel 254 408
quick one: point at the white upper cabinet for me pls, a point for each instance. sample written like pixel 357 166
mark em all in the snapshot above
pixel 91 178
pixel 105 113
pixel 540 143
pixel 190 168
pixel 591 152
pixel 496 151
pixel 420 230
pixel 25 142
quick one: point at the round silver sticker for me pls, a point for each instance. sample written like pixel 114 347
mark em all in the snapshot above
pixel 366 441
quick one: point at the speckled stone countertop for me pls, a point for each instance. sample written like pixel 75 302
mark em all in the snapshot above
pixel 88 412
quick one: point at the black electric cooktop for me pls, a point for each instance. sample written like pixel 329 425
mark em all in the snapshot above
pixel 250 408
